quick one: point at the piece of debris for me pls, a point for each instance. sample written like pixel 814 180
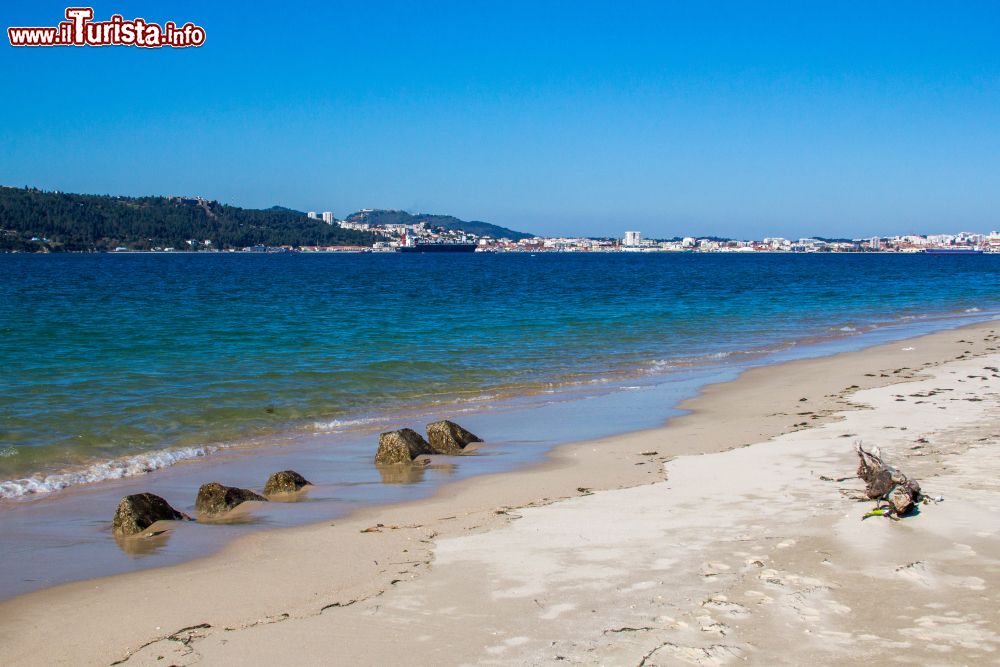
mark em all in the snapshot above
pixel 883 483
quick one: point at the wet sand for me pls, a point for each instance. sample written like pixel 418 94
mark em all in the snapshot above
pixel 713 538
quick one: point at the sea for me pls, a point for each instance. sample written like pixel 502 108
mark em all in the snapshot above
pixel 126 372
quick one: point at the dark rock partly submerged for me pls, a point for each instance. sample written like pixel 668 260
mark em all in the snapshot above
pixel 447 437
pixel 286 481
pixel 138 512
pixel 400 446
pixel 215 498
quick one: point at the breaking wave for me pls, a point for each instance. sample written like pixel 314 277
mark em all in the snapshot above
pixel 130 466
pixel 342 424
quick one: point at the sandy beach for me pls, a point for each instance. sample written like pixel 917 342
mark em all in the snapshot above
pixel 731 534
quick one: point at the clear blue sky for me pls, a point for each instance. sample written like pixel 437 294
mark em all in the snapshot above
pixel 737 119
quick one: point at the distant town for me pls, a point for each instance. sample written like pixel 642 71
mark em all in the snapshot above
pixel 397 236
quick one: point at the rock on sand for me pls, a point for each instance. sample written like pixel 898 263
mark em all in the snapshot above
pixel 215 498
pixel 400 446
pixel 138 512
pixel 447 437
pixel 286 481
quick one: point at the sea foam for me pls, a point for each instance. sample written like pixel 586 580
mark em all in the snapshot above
pixel 342 424
pixel 129 466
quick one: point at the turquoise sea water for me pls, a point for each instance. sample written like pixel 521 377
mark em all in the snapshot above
pixel 114 365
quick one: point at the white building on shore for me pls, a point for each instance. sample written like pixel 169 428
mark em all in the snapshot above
pixel 632 239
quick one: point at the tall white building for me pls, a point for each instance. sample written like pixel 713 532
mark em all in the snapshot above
pixel 312 215
pixel 632 238
pixel 328 217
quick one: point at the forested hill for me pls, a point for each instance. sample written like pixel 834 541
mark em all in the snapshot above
pixel 451 223
pixel 69 222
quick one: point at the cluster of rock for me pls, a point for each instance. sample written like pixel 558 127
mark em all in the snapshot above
pixel 443 437
pixel 136 513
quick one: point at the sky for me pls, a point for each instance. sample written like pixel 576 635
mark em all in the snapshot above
pixel 737 119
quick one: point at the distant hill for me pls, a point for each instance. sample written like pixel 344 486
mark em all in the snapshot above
pixel 286 209
pixel 73 222
pixel 451 223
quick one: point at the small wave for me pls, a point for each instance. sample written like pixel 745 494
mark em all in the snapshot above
pixel 463 411
pixel 972 310
pixel 7 452
pixel 130 466
pixel 658 365
pixel 847 329
pixel 482 398
pixel 342 424
pixel 632 388
pixel 661 365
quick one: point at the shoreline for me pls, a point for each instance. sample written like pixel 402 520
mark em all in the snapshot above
pixel 150 461
pixel 62 537
pixel 340 566
pixel 44 484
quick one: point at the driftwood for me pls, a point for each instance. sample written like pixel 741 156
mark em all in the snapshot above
pixel 885 483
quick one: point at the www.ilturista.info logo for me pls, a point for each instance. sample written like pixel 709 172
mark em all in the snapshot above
pixel 79 29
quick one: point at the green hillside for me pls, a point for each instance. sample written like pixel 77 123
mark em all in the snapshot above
pixel 71 222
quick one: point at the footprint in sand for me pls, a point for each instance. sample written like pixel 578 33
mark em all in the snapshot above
pixel 709 624
pixel 716 654
pixel 556 610
pixel 772 577
pixel 965 550
pixel 970 583
pixel 713 569
pixel 965 631
pixel 499 649
pixel 762 598
pixel 732 609
pixel 916 572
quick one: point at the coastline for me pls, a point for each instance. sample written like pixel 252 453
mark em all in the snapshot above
pixel 305 572
pixel 32 486
pixel 62 537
